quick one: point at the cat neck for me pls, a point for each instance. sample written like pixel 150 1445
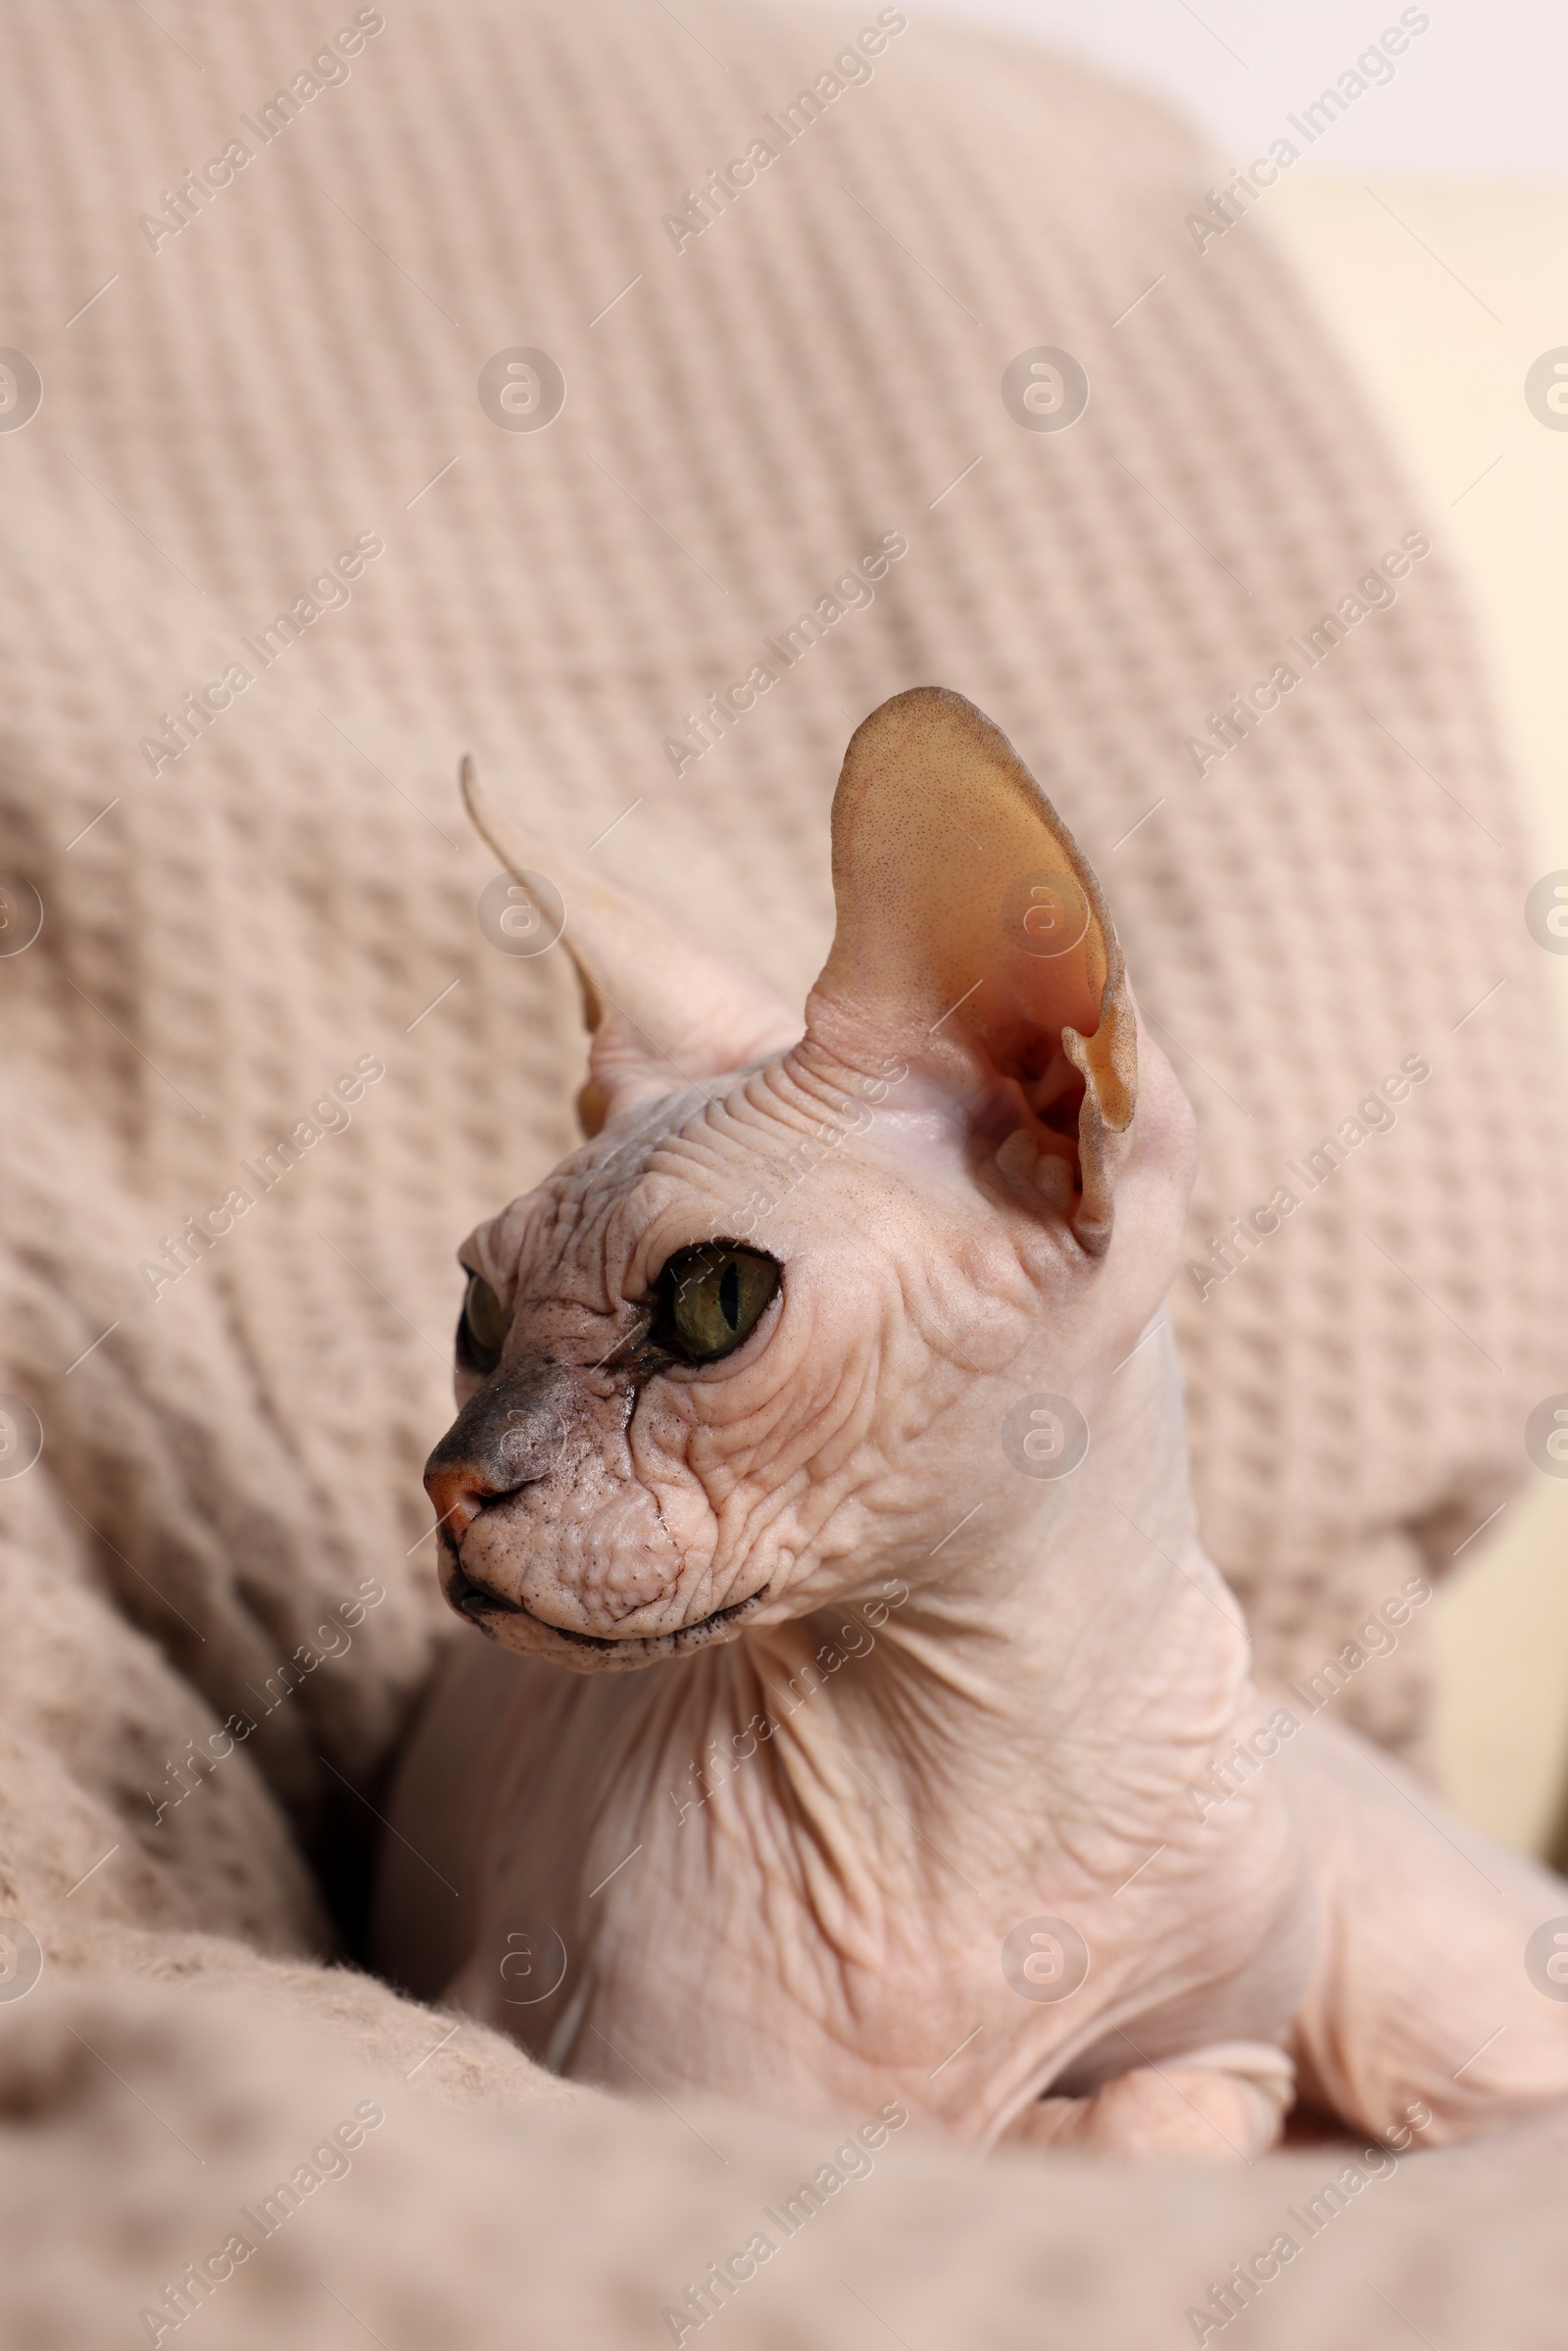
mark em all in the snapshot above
pixel 1068 1658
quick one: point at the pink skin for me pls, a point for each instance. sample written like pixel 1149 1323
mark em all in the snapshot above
pixel 850 1698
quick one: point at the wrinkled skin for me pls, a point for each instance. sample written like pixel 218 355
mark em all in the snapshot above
pixel 800 1697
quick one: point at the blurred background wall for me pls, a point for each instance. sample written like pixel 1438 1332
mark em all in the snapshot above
pixel 1430 219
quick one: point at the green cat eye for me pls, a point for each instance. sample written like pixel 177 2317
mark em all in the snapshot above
pixel 714 1296
pixel 483 1326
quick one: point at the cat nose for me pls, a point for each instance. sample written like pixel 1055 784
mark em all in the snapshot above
pixel 507 1435
pixel 472 1469
pixel 459 1491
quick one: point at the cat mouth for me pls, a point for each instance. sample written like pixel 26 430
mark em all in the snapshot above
pixel 516 1627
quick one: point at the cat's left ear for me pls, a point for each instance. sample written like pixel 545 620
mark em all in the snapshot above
pixel 661 1009
pixel 974 942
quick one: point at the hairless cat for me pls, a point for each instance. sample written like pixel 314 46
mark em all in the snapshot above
pixel 860 1716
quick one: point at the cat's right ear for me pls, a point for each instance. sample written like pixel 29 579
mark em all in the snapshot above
pixel 661 1012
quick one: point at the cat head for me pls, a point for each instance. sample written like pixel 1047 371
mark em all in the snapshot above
pixel 750 1350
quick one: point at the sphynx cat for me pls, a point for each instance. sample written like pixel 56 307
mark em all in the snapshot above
pixel 856 1692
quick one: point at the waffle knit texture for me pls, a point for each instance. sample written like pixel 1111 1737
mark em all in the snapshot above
pixel 762 389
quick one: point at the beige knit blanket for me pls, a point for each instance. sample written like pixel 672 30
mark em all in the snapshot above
pixel 293 526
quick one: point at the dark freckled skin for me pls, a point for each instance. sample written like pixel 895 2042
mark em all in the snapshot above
pixel 792 1702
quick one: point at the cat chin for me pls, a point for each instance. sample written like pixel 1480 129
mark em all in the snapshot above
pixel 514 1627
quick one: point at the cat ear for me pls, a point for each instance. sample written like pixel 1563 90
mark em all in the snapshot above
pixel 974 941
pixel 660 1010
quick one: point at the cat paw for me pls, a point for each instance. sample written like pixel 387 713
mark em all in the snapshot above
pixel 1219 2105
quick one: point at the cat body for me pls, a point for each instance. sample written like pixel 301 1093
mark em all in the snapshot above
pixel 857 1686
